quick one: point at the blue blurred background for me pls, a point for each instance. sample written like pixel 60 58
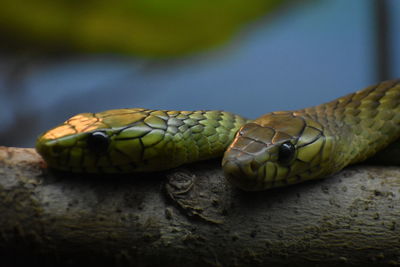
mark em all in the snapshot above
pixel 299 56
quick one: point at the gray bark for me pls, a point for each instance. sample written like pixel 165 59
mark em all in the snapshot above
pixel 191 217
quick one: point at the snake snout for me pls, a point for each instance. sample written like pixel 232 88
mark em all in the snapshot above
pixel 241 170
pixel 55 152
pixel 49 148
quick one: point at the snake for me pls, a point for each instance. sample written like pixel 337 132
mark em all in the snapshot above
pixel 277 149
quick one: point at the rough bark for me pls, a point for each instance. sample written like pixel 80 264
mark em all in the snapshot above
pixel 191 216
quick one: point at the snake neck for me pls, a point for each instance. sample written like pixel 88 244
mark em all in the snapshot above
pixel 202 135
pixel 361 123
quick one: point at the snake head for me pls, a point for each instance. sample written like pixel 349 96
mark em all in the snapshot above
pixel 110 142
pixel 278 149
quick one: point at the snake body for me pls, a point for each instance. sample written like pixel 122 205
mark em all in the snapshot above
pixel 277 149
pixel 137 140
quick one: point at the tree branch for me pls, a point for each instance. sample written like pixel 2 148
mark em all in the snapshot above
pixel 191 216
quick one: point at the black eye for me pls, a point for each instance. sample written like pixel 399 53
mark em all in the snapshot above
pixel 286 152
pixel 98 142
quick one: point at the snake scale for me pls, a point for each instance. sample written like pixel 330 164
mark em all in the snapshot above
pixel 277 149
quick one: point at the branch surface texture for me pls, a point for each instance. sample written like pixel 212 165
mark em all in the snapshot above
pixel 191 216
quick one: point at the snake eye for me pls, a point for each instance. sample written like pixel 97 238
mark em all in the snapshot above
pixel 98 142
pixel 286 152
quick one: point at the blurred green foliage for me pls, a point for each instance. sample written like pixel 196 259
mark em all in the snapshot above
pixel 144 27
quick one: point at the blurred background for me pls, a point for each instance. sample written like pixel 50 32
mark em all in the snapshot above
pixel 60 58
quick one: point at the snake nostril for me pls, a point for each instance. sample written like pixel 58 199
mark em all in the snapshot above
pixel 56 150
pixel 232 171
pixel 230 167
pixel 239 175
pixel 254 166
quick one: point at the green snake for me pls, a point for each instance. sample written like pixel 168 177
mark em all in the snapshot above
pixel 277 149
